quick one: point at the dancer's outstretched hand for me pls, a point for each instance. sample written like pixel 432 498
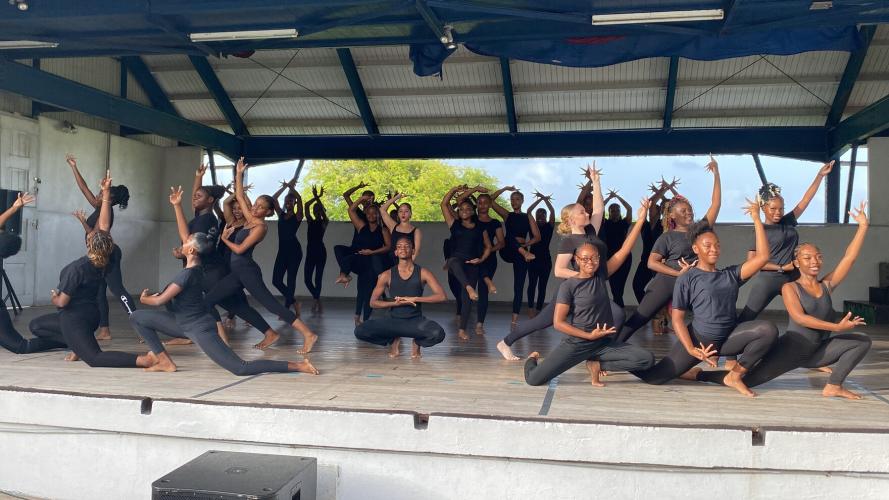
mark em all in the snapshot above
pixel 602 330
pixel 826 168
pixel 848 322
pixel 859 215
pixel 72 161
pixel 704 353
pixel 79 215
pixel 684 265
pixel 241 166
pixel 106 182
pixel 23 199
pixel 712 165
pixel 201 171
pixel 752 208
pixel 175 195
pixel 644 204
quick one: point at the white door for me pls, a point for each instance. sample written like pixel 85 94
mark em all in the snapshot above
pixel 18 167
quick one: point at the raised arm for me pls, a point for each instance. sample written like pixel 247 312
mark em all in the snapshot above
pixel 627 207
pixel 761 255
pixel 502 212
pixel 598 203
pixel 278 210
pixel 176 201
pixel 538 198
pixel 21 200
pixel 104 222
pixel 347 195
pixel 716 197
pixel 384 211
pixel 87 193
pixel 357 221
pixel 297 203
pixel 198 179
pixel 228 212
pixel 813 188
pixel 835 277
pixel 620 256
pixel 552 210
pixel 446 210
pixel 240 168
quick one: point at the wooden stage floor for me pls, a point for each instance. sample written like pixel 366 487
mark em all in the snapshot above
pixel 468 378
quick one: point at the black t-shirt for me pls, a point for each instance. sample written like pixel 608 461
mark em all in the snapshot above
pixel 588 301
pixel 188 306
pixel 649 236
pixel 466 243
pixel 541 248
pixel 674 245
pixel 615 233
pixel 80 280
pixel 711 296
pixel 570 242
pixel 491 228
pixel 208 224
pixel 783 239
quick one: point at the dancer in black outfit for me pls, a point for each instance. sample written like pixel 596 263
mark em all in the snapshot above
pixel 650 233
pixel 405 282
pixel 710 294
pixel 783 238
pixel 583 312
pixel 245 272
pixel 402 227
pixel 542 265
pixel 316 252
pixel 290 252
pixel 366 256
pixel 614 229
pixel 469 246
pixel 577 227
pixel 189 317
pixel 113 279
pixel 10 338
pixel 521 234
pixel 808 341
pixel 672 255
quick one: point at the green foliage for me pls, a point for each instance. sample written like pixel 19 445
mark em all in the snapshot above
pixel 424 181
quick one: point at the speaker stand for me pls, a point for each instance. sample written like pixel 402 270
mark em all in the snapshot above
pixel 10 292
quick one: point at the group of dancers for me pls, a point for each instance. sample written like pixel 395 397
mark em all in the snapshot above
pixel 678 272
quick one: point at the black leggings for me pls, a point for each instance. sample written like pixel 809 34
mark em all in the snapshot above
pixel 572 351
pixel 544 319
pixel 485 270
pixel 751 341
pixel 148 323
pixel 290 254
pixel 796 350
pixel 235 304
pixel 766 286
pixel 466 275
pixel 641 278
pixel 659 294
pixel 425 332
pixel 538 278
pixel 76 327
pixel 245 274
pixel 12 340
pixel 313 272
pixel 519 273
pixel 618 280
pixel 114 281
pixel 345 257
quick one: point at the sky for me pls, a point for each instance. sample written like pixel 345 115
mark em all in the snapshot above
pixel 630 176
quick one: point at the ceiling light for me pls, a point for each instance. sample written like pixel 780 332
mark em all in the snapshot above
pixel 658 17
pixel 224 36
pixel 26 44
pixel 22 5
pixel 448 38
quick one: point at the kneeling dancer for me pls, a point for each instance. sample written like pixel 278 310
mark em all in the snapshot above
pixel 405 281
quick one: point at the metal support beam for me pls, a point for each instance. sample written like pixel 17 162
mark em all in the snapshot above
pixel 759 169
pixel 850 184
pixel 211 81
pixel 36 107
pixel 432 20
pixel 671 92
pixel 146 80
pixel 832 194
pixel 850 76
pixel 212 162
pixel 795 142
pixel 860 126
pixel 56 91
pixel 367 116
pixel 508 96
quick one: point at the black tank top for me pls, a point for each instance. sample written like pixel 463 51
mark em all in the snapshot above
pixel 466 243
pixel 820 308
pixel 367 239
pixel 315 233
pixel 517 226
pixel 239 237
pixel 541 248
pixel 411 287
pixel 490 227
pixel 287 229
pixel 397 235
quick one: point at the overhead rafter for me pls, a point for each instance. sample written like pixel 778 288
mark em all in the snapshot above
pixel 796 142
pixel 673 73
pixel 432 20
pixel 511 119
pixel 850 76
pixel 351 71
pixel 153 90
pixel 211 81
pixel 63 93
pixel 859 127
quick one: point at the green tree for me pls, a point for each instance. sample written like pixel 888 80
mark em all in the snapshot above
pixel 424 182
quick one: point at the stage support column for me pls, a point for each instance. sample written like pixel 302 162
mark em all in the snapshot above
pixel 877 180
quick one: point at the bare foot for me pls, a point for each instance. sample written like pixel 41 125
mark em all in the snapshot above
pixel 343 280
pixel 71 356
pixel 831 390
pixel 309 340
pixel 734 380
pixel 461 333
pixel 178 342
pixel 594 367
pixel 103 333
pixel 730 364
pixel 302 366
pixel 479 328
pixel 490 284
pixel 220 330
pixel 692 374
pixel 823 369
pixel 473 295
pixel 270 338
pixel 230 323
pixel 506 351
pixel 395 348
pixel 147 360
pixel 415 350
pixel 535 355
pixel 163 363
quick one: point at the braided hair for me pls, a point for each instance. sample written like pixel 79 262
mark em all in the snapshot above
pixel 769 192
pixel 99 246
pixel 666 220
